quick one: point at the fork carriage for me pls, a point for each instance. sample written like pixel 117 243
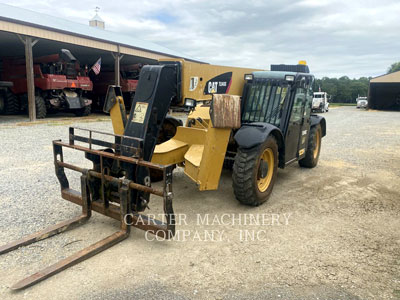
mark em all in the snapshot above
pixel 110 189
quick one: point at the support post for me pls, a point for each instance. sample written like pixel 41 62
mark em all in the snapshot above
pixel 117 59
pixel 30 78
pixel 27 41
pixel 117 70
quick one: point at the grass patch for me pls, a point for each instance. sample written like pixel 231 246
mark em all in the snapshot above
pixel 342 104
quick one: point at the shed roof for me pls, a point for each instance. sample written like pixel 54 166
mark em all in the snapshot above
pixel 30 18
pixel 387 78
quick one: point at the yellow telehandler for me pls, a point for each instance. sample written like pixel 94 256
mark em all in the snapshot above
pixel 250 120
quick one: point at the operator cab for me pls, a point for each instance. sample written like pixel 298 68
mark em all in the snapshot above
pixel 281 97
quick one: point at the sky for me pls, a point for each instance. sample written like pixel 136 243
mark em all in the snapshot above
pixel 337 38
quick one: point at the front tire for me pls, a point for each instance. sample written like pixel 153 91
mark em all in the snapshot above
pixel 40 106
pixel 83 112
pixel 254 172
pixel 313 148
pixel 11 104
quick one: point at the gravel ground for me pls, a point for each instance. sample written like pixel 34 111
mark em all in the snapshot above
pixel 331 232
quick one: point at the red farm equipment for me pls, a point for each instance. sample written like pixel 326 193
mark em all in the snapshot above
pixel 129 77
pixel 60 84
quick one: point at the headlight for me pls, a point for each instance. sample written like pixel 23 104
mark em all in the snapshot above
pixel 248 76
pixel 289 77
pixel 190 102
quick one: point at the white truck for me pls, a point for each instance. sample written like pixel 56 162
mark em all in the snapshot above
pixel 320 102
pixel 362 102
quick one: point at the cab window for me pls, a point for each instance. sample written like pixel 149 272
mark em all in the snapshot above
pixel 297 111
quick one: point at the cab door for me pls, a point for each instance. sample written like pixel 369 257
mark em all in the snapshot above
pixel 295 126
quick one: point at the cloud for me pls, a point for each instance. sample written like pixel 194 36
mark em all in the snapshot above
pixel 354 38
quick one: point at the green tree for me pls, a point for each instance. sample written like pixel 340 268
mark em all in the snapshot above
pixel 344 89
pixel 394 67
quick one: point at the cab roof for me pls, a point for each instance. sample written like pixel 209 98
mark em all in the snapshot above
pixel 278 75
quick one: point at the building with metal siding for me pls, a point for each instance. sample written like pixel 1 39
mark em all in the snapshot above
pixel 29 34
pixel 384 92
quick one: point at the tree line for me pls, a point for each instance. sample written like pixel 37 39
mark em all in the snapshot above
pixel 343 89
pixel 346 90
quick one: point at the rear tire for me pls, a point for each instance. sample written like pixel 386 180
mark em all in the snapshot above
pixel 40 106
pixel 313 148
pixel 253 182
pixel 11 104
pixel 83 112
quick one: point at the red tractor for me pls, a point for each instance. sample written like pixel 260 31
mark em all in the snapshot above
pixel 60 84
pixel 129 77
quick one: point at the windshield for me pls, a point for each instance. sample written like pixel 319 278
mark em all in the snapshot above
pixel 263 102
pixel 318 96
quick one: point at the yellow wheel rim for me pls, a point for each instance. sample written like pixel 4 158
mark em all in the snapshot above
pixel 317 144
pixel 268 157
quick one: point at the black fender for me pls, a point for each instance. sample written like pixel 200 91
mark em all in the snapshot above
pixel 254 134
pixel 315 120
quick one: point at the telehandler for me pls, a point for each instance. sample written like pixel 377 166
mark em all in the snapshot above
pixel 269 126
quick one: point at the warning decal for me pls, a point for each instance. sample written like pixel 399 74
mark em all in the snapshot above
pixel 139 113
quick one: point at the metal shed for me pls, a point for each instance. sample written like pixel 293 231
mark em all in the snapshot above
pixel 384 92
pixel 30 34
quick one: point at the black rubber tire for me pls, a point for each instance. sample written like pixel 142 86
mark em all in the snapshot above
pixel 310 160
pixel 83 112
pixel 167 132
pixel 228 164
pixel 245 172
pixel 2 103
pixel 41 110
pixel 156 175
pixel 11 104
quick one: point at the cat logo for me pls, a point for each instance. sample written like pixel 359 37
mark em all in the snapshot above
pixel 219 84
pixel 212 87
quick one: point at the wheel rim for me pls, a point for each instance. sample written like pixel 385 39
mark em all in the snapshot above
pixel 317 144
pixel 264 182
